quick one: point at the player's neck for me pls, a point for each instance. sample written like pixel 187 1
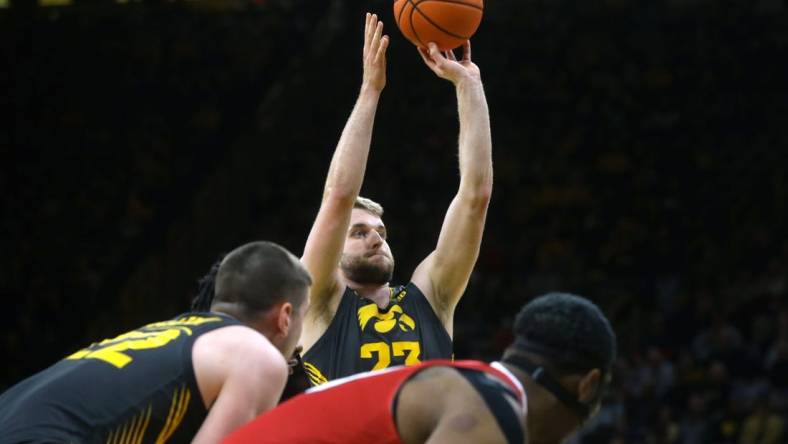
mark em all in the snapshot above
pixel 377 293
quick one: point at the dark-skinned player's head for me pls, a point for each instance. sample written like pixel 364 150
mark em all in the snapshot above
pixel 264 286
pixel 366 256
pixel 566 346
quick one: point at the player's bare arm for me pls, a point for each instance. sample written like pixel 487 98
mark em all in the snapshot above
pixel 240 375
pixel 438 406
pixel 326 239
pixel 444 274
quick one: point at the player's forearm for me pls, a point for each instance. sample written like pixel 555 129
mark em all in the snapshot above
pixel 346 173
pixel 475 144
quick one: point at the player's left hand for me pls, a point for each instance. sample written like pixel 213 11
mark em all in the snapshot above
pixel 374 54
pixel 446 65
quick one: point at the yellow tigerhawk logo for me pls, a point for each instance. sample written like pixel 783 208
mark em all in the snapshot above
pixel 385 322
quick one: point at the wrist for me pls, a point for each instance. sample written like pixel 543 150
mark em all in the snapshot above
pixel 370 90
pixel 468 82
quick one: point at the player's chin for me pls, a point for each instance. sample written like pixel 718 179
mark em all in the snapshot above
pixel 385 263
pixel 379 257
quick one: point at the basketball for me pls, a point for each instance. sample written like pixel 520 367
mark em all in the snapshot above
pixel 448 23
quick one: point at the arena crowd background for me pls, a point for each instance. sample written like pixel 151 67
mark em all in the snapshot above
pixel 640 160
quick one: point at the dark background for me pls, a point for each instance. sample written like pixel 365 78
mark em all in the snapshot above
pixel 640 160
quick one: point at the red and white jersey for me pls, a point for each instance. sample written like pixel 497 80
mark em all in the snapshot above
pixel 352 410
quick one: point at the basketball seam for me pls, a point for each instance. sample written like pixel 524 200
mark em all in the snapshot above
pixel 401 11
pixel 440 28
pixel 410 20
pixel 458 2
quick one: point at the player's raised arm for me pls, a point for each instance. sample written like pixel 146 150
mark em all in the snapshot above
pixel 345 175
pixel 444 274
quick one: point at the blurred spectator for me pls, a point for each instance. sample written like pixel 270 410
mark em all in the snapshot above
pixel 694 428
pixel 763 426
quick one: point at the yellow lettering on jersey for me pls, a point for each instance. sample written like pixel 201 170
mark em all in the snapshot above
pixel 412 347
pixel 385 322
pixel 406 322
pixel 409 349
pixel 382 351
pixel 366 313
pixel 111 350
pixel 189 320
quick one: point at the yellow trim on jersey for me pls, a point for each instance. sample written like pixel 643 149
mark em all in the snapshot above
pixel 124 434
pixel 314 375
pixel 132 431
pixel 178 407
pixel 138 430
pixel 188 320
pixel 400 296
pixel 145 427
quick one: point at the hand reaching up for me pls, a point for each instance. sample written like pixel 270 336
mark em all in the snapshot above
pixel 375 45
pixel 446 65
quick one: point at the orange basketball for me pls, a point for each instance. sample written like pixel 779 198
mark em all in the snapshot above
pixel 448 23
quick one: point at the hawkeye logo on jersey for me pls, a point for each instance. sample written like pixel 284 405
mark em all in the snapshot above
pixel 385 322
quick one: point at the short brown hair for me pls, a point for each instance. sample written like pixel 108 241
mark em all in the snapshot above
pixel 369 205
pixel 259 275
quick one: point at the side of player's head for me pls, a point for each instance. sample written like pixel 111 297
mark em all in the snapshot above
pixel 266 287
pixel 256 276
pixel 562 337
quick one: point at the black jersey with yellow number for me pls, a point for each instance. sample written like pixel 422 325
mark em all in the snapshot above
pixel 362 337
pixel 136 388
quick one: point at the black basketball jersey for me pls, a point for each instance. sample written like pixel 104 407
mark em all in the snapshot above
pixel 136 388
pixel 362 337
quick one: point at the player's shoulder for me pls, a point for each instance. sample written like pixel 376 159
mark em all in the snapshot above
pixel 469 383
pixel 444 381
pixel 236 341
pixel 441 392
pixel 486 391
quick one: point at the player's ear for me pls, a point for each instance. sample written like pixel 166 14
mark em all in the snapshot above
pixel 284 317
pixel 589 386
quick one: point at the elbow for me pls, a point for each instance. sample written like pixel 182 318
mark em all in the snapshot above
pixel 479 196
pixel 482 196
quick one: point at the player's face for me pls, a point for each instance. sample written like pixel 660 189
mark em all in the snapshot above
pixel 367 257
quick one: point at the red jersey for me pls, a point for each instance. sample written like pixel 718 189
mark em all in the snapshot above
pixel 352 410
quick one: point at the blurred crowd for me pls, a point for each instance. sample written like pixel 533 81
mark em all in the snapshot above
pixel 639 161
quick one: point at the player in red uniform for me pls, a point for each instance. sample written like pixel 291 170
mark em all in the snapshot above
pixel 562 356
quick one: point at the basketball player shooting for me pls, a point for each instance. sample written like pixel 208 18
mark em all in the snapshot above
pixel 549 381
pixel 357 320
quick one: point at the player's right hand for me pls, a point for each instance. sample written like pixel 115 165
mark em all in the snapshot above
pixel 375 45
pixel 446 65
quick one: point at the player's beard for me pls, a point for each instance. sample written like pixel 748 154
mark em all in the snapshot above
pixel 362 270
